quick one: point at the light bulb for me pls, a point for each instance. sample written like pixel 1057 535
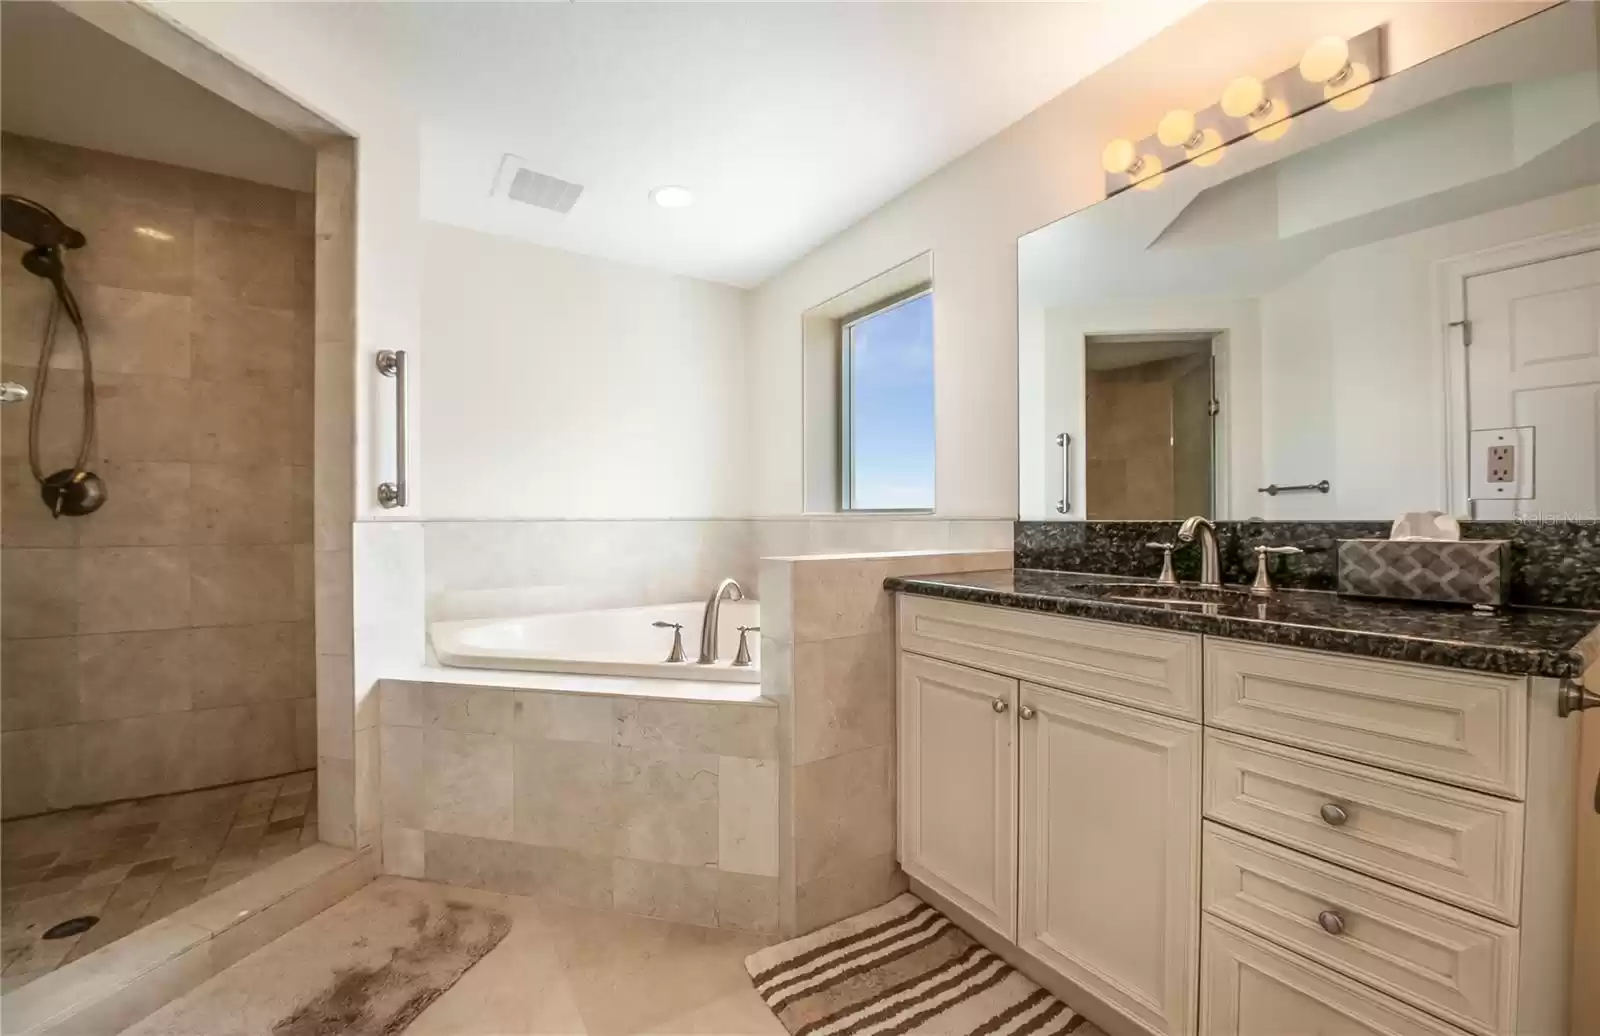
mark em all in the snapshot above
pixel 1120 156
pixel 671 196
pixel 1352 91
pixel 1149 175
pixel 1176 129
pixel 1269 126
pixel 1245 97
pixel 1210 149
pixel 1326 60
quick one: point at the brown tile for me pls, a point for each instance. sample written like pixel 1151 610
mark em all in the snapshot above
pixel 147 504
pixel 160 866
pixel 60 428
pixel 133 588
pixel 39 592
pixel 244 262
pixel 229 198
pixel 236 586
pixel 173 896
pixel 134 674
pixel 40 682
pixel 112 926
pixel 234 665
pixel 134 332
pixel 134 893
pixel 238 423
pixel 143 417
pixel 24 311
pixel 26 521
pixel 136 179
pixel 255 345
pixel 141 755
pixel 242 504
pixel 136 244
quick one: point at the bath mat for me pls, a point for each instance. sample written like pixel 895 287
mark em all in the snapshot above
pixel 900 969
pixel 368 966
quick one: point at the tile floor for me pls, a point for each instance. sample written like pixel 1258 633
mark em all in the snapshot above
pixel 131 863
pixel 559 970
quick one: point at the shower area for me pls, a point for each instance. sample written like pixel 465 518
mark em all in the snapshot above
pixel 157 656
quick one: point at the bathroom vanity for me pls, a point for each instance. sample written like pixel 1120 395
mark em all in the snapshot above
pixel 1231 815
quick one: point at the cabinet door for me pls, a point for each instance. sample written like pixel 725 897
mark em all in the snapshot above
pixel 958 786
pixel 1110 852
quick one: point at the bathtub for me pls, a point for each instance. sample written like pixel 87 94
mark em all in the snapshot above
pixel 610 642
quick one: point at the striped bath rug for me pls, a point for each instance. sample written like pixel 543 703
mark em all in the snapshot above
pixel 903 968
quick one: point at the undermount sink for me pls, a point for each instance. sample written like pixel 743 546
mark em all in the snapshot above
pixel 1158 593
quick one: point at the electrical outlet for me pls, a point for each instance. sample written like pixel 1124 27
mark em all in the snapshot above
pixel 1502 464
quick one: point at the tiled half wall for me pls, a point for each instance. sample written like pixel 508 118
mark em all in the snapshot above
pixel 164 642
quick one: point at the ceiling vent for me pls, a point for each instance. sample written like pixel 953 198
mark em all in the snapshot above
pixel 519 183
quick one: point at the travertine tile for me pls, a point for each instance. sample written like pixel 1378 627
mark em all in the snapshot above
pixel 403 852
pixel 141 245
pixel 248 504
pixel 747 902
pixel 843 695
pixel 27 521
pixel 132 588
pixel 667 806
pixel 234 665
pixel 747 831
pixel 133 332
pixel 665 891
pixel 234 342
pixel 564 796
pixel 38 592
pixel 40 770
pixel 715 728
pixel 336 800
pixel 147 505
pixel 134 674
pixel 140 755
pixel 843 811
pixel 235 586
pixel 40 683
pixel 142 417
pixel 60 427
pixel 834 896
pixel 229 198
pixel 238 423
pixel 474 710
pixel 400 703
pixel 247 263
pixel 336 706
pixel 468 790
pixel 551 716
pixel 556 875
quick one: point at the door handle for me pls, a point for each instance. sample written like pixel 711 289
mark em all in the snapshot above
pixel 392 364
pixel 1064 505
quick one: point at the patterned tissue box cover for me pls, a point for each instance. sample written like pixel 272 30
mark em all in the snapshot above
pixel 1462 572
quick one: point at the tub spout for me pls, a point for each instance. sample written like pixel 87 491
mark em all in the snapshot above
pixel 730 589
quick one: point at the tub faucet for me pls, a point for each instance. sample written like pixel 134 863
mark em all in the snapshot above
pixel 730 589
pixel 1210 568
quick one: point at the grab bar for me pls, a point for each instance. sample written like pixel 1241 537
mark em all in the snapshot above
pixel 392 364
pixel 1310 487
pixel 1065 503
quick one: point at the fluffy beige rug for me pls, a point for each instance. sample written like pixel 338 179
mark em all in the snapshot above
pixel 903 968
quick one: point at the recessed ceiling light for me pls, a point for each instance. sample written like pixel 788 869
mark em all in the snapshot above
pixel 672 197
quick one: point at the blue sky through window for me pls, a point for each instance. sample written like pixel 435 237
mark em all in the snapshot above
pixel 891 407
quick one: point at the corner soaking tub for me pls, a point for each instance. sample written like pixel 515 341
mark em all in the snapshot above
pixel 610 642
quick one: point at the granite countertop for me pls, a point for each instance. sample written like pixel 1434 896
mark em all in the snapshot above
pixel 1514 641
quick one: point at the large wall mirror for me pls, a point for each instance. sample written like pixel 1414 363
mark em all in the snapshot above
pixel 1385 309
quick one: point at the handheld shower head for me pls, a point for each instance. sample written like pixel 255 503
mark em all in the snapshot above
pixel 33 224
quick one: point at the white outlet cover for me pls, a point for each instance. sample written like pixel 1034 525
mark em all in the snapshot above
pixel 1521 438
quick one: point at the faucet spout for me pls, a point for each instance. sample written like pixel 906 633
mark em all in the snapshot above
pixel 1210 565
pixel 729 589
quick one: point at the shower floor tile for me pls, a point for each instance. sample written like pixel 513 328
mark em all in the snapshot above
pixel 132 863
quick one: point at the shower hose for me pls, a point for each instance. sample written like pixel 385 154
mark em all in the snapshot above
pixel 63 301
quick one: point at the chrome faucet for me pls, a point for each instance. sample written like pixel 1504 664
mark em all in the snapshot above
pixel 1210 567
pixel 730 589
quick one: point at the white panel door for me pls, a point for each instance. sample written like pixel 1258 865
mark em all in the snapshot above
pixel 1110 852
pixel 958 786
pixel 1534 361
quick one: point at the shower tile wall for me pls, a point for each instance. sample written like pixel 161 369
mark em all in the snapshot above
pixel 164 642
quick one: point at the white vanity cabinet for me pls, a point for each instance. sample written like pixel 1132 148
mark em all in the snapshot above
pixel 1386 848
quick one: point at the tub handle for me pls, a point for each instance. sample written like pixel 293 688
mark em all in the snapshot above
pixel 676 654
pixel 742 656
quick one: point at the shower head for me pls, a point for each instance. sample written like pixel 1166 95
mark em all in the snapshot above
pixel 33 224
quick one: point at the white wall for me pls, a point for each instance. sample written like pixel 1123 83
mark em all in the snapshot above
pixel 576 387
pixel 971 212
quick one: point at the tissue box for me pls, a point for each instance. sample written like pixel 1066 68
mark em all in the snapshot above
pixel 1459 572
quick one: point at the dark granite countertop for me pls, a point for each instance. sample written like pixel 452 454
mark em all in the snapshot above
pixel 1514 641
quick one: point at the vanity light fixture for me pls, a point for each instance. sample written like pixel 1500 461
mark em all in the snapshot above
pixel 1120 156
pixel 1246 98
pixel 671 196
pixel 1177 129
pixel 1346 84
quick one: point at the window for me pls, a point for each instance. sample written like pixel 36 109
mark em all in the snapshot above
pixel 886 406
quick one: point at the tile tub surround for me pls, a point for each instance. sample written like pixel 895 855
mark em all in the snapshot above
pixel 666 809
pixel 1554 564
pixel 1515 641
pixel 828 660
pixel 133 863
pixel 145 641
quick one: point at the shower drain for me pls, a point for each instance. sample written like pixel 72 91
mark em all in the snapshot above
pixel 72 926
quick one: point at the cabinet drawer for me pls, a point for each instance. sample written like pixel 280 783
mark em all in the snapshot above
pixel 1444 960
pixel 1147 669
pixel 1455 845
pixel 1463 728
pixel 1249 987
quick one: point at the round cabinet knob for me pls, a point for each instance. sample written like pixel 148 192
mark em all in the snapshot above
pixel 1026 712
pixel 1331 922
pixel 999 705
pixel 1333 814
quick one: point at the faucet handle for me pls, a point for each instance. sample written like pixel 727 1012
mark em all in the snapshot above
pixel 742 656
pixel 1167 577
pixel 1262 585
pixel 676 654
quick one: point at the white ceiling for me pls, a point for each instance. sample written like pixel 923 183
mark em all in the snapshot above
pixel 64 80
pixel 789 121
